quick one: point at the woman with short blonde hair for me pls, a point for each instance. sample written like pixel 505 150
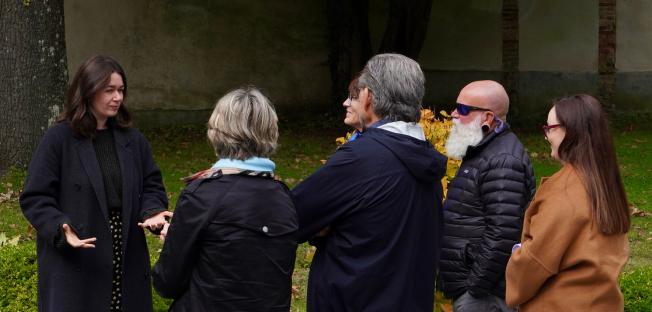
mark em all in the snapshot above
pixel 243 125
pixel 233 240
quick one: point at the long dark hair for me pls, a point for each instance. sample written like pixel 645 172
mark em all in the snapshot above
pixel 589 147
pixel 92 76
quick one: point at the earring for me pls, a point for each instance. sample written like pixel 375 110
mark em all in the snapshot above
pixel 485 128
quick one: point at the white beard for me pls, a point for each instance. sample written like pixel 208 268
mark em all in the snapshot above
pixel 462 137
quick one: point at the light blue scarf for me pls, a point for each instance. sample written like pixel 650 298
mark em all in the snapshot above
pixel 253 164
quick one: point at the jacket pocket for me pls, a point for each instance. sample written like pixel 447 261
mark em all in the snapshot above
pixel 469 254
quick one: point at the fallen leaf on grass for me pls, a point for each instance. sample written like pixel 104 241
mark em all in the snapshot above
pixel 5 197
pixel 323 161
pixel 297 160
pixel 30 228
pixel 630 128
pixel 13 226
pixel 638 141
pixel 14 241
pixel 649 238
pixel 159 251
pixel 290 180
pixel 638 213
pixel 6 241
pixel 295 167
pixel 278 178
pixel 10 184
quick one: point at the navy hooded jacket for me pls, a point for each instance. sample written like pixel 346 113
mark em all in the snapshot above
pixel 382 197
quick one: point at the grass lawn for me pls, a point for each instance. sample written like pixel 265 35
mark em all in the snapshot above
pixel 180 151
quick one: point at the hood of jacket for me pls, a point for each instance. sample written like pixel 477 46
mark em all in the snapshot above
pixel 421 159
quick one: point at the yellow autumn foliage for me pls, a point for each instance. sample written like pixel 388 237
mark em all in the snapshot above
pixel 437 132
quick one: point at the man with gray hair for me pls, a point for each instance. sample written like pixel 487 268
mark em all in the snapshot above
pixel 483 212
pixel 380 196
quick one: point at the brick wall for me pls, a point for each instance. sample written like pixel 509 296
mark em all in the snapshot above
pixel 510 52
pixel 607 54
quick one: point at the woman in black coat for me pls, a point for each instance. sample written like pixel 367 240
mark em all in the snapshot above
pixel 233 240
pixel 92 184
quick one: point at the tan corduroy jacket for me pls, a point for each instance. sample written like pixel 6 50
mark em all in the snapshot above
pixel 565 262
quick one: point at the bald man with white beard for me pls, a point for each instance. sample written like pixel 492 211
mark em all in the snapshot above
pixel 486 201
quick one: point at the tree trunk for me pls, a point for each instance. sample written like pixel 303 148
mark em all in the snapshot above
pixel 33 75
pixel 407 27
pixel 350 45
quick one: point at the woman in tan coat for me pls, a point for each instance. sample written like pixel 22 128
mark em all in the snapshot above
pixel 574 242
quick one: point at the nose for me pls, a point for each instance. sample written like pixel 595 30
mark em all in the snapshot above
pixel 455 114
pixel 117 96
pixel 347 102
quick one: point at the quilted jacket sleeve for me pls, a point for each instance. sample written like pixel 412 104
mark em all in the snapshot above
pixel 505 191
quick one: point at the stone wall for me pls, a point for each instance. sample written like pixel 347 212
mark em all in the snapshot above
pixel 180 56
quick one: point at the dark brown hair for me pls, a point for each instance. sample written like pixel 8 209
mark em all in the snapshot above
pixel 93 75
pixel 589 147
pixel 353 84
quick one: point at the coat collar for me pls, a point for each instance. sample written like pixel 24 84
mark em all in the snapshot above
pixel 472 151
pixel 88 159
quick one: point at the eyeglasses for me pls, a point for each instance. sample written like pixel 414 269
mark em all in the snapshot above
pixel 352 97
pixel 464 109
pixel 546 129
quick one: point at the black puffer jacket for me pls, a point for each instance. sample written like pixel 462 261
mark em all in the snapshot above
pixel 230 247
pixel 483 215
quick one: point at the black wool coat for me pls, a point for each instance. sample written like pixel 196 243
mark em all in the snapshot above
pixel 64 184
pixel 382 197
pixel 483 215
pixel 230 247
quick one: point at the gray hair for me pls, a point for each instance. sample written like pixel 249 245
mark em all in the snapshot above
pixel 397 86
pixel 243 125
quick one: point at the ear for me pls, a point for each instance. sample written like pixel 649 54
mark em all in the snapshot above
pixel 365 98
pixel 488 118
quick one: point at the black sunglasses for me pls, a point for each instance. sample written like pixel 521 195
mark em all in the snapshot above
pixel 464 109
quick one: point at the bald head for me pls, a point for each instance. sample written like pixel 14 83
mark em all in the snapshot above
pixel 486 94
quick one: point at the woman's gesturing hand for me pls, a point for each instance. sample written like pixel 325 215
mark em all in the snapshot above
pixel 156 221
pixel 164 232
pixel 74 240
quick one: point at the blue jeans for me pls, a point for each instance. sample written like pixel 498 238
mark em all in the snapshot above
pixel 488 303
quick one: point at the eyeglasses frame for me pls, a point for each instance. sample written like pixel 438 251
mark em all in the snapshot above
pixel 547 128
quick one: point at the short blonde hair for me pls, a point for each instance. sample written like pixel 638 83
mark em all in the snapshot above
pixel 243 125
